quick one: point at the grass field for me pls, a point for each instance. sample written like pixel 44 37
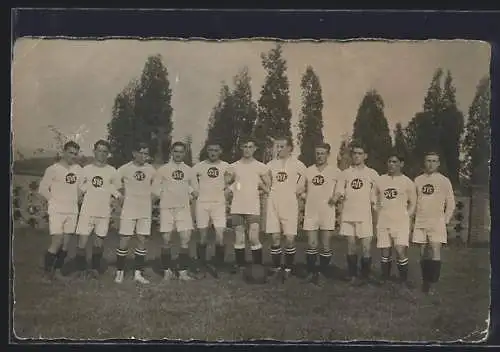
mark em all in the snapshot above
pixel 229 309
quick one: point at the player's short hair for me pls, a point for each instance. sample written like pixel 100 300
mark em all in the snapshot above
pixel 323 145
pixel 179 144
pixel 432 153
pixel 248 139
pixel 71 144
pixel 102 142
pixel 357 145
pixel 138 146
pixel 397 155
pixel 287 139
pixel 216 142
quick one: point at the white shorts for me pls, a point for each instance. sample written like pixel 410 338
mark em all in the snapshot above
pixel 206 211
pixel 282 217
pixel 62 223
pixel 399 235
pixel 140 226
pixel 357 229
pixel 426 235
pixel 178 218
pixel 87 224
pixel 321 220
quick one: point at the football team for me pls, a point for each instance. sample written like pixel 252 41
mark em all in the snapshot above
pixel 390 206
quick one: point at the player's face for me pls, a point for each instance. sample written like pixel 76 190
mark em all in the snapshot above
pixel 70 155
pixel 101 153
pixel 283 149
pixel 431 163
pixel 214 152
pixel 248 149
pixel 394 165
pixel 141 156
pixel 358 156
pixel 178 154
pixel 321 156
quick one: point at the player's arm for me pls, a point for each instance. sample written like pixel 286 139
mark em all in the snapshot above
pixel 266 178
pixel 449 205
pixel 333 200
pixel 340 186
pixel 301 179
pixel 157 183
pixel 84 184
pixel 376 196
pixel 46 183
pixel 115 184
pixel 374 190
pixel 194 184
pixel 412 198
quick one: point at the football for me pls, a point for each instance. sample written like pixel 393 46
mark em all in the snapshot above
pixel 255 274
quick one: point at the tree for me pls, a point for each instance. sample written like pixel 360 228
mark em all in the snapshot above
pixel 143 112
pixel 477 139
pixel 274 112
pixel 311 116
pixel 344 154
pixel 188 159
pixel 371 128
pixel 400 144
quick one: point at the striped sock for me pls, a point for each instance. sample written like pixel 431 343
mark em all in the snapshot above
pixel 276 256
pixel 324 259
pixel 403 268
pixel 290 257
pixel 121 256
pixel 385 267
pixel 311 257
pixel 140 258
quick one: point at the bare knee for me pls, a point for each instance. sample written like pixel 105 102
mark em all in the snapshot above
pixel 253 234
pixel 436 251
pixel 185 237
pixel 367 246
pixel 326 238
pixel 312 239
pixel 98 241
pixel 239 237
pixel 141 241
pixel 167 239
pixel 56 242
pixel 124 241
pixel 219 236
pixel 203 235
pixel 385 252
pixel 401 252
pixel 290 241
pixel 351 245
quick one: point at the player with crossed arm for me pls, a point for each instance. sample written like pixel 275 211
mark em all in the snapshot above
pixel 136 177
pixel 396 199
pixel 176 185
pixel 287 184
pixel 435 207
pixel 99 186
pixel 356 190
pixel 247 176
pixel 60 187
pixel 211 204
pixel 319 215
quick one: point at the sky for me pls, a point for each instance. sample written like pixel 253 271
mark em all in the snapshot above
pixel 72 84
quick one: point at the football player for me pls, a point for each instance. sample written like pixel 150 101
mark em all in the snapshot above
pixel 60 187
pixel 287 184
pixel 356 190
pixel 136 177
pixel 396 200
pixel 319 215
pixel 211 204
pixel 176 185
pixel 435 207
pixel 247 178
pixel 99 185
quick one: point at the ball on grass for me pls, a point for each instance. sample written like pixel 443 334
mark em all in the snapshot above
pixel 255 274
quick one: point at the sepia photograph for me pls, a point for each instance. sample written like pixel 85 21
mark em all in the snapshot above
pixel 253 189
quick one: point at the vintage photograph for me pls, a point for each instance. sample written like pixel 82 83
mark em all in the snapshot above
pixel 239 190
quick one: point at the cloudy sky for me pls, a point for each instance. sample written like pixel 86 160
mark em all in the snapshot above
pixel 71 84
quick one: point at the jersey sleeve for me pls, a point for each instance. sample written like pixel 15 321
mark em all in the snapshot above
pixel 449 200
pixel 46 183
pixel 341 183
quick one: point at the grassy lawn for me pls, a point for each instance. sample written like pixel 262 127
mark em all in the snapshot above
pixel 229 309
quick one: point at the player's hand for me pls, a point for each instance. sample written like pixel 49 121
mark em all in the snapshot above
pixel 263 188
pixel 332 201
pixel 117 195
pixel 228 193
pixel 194 195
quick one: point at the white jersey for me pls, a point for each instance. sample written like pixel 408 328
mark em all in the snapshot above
pixel 99 184
pixel 394 194
pixel 435 200
pixel 247 176
pixel 211 180
pixel 320 186
pixel 173 183
pixel 357 187
pixel 285 177
pixel 137 181
pixel 60 186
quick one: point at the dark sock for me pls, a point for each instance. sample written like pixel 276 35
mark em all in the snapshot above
pixel 96 257
pixel 257 256
pixel 403 269
pixel 50 259
pixel 166 258
pixel 81 259
pixel 311 257
pixel 324 260
pixel 424 266
pixel 219 254
pixel 239 254
pixel 385 267
pixel 366 265
pixel 184 259
pixel 352 265
pixel 61 257
pixel 121 256
pixel 139 258
pixel 435 271
pixel 201 252
pixel 276 256
pixel 290 257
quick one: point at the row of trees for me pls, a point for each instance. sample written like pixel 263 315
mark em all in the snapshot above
pixel 143 111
